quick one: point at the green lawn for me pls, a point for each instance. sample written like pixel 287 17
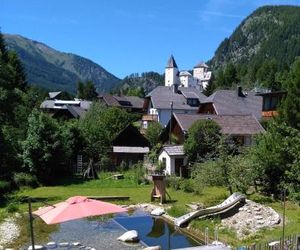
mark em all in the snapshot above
pixel 106 186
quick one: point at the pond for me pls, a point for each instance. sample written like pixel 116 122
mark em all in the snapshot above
pixel 102 232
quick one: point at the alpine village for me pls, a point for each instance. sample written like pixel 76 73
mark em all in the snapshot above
pixel 201 158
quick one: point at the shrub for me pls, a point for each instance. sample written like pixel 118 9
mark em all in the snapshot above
pixel 12 207
pixel 187 185
pixel 122 167
pixel 4 187
pixel 105 163
pixel 25 179
pixel 173 182
pixel 138 173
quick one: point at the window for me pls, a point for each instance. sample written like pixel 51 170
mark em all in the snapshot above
pixel 164 162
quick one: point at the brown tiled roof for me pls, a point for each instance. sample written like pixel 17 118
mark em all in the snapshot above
pixel 230 124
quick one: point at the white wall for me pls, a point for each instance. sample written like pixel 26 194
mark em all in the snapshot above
pixel 170 162
pixel 171 76
pixel 162 155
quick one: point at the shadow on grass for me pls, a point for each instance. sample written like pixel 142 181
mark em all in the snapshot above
pixel 68 181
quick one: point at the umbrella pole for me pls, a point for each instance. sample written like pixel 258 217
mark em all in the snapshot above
pixel 31 223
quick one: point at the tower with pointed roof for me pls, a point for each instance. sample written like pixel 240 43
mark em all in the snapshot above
pixel 171 73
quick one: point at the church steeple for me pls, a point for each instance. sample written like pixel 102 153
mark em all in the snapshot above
pixel 171 72
pixel 171 63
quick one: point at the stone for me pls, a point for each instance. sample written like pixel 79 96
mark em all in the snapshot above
pixel 76 244
pixel 64 244
pixel 87 248
pixel 258 217
pixel 158 211
pixel 274 243
pixel 51 244
pixel 218 243
pixel 129 236
pixel 36 247
pixel 152 248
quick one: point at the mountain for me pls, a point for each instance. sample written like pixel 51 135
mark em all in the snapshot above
pixel 147 81
pixel 270 32
pixel 54 70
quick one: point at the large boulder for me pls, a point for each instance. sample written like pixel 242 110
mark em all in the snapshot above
pixel 130 236
pixel 158 211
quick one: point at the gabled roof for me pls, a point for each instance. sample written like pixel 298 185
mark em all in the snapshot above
pixel 130 137
pixel 171 63
pixel 122 101
pixel 52 95
pixel 174 150
pixel 201 65
pixel 162 96
pixel 230 124
pixel 227 102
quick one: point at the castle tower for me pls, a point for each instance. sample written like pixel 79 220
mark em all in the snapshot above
pixel 199 70
pixel 171 72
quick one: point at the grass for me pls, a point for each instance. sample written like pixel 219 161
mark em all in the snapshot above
pixel 106 186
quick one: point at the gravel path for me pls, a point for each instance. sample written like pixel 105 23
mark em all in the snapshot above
pixel 9 231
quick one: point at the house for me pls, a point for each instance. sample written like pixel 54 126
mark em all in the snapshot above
pixel 240 128
pixel 163 100
pixel 232 102
pixel 129 103
pixel 271 102
pixel 173 160
pixel 129 146
pixel 65 109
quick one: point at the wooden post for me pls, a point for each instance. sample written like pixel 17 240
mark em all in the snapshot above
pixel 31 223
pixel 159 188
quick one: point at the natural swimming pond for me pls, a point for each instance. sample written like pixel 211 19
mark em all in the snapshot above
pixel 102 232
pixel 156 231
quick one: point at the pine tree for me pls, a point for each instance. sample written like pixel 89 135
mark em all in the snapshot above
pixel 290 109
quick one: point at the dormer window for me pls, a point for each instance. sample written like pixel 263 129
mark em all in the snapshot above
pixel 194 102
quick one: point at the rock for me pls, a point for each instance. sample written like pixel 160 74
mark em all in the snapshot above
pixel 258 217
pixel 76 244
pixel 51 245
pixel 87 248
pixel 152 248
pixel 36 247
pixel 158 211
pixel 218 243
pixel 130 236
pixel 274 243
pixel 64 244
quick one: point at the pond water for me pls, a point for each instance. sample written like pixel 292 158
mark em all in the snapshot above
pixel 102 232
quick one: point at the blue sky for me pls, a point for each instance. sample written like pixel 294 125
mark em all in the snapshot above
pixel 128 36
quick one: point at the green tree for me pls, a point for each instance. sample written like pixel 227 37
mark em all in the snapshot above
pixel 43 150
pixel 266 75
pixel 153 133
pixel 86 91
pixel 277 159
pixel 290 108
pixel 202 141
pixel 100 126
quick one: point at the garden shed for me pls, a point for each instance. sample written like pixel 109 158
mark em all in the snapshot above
pixel 173 159
pixel 129 146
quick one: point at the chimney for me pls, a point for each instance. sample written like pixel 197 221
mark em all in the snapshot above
pixel 175 88
pixel 240 92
